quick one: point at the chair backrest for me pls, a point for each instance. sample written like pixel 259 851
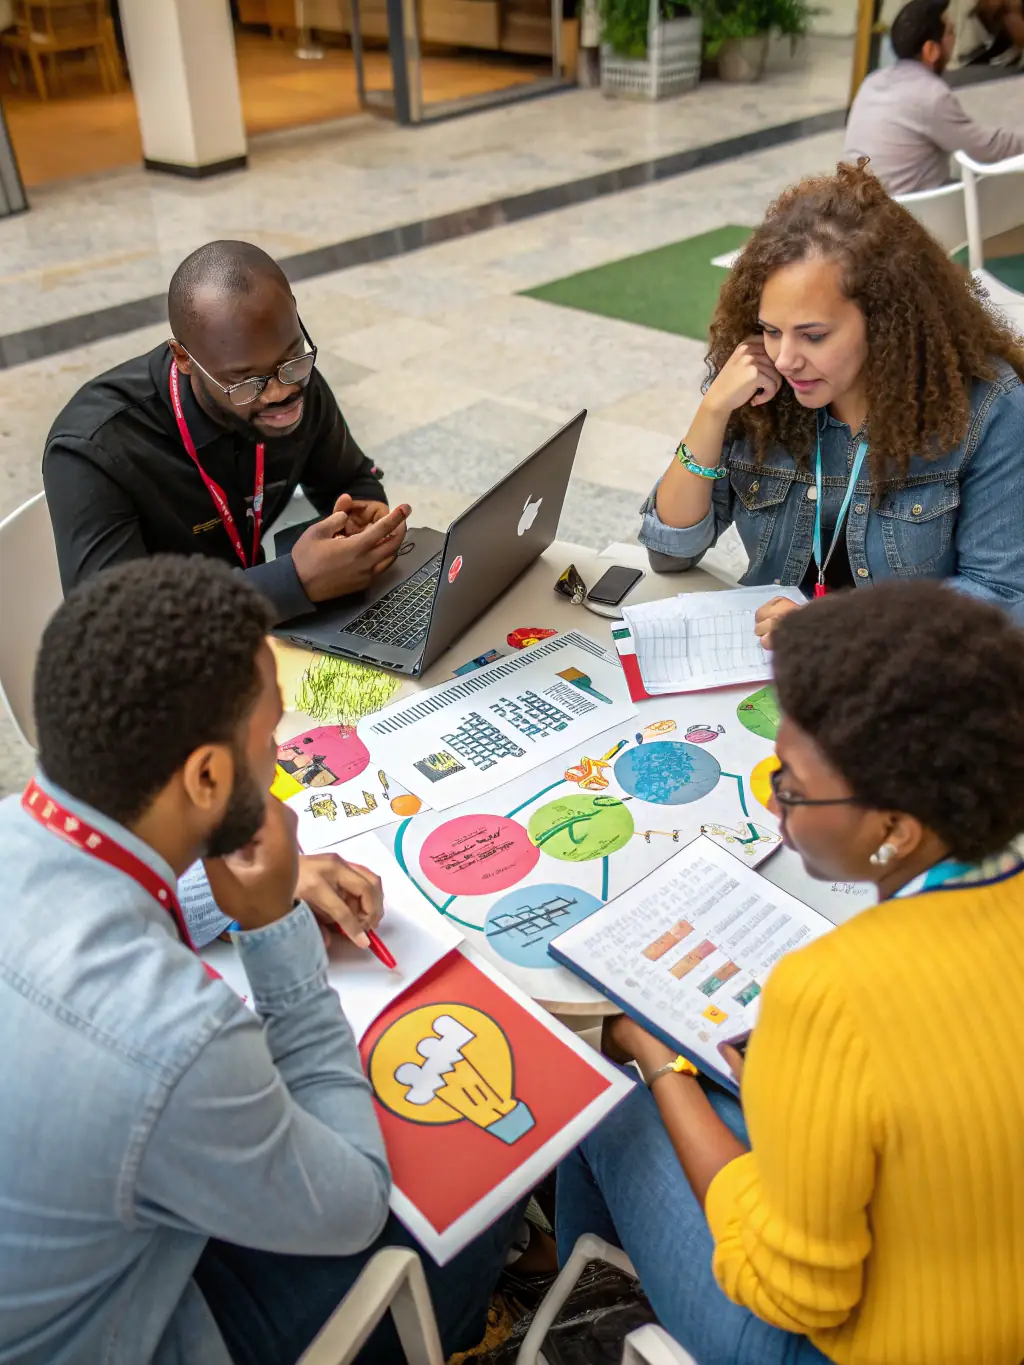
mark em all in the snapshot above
pixel 30 593
pixel 993 200
pixel 63 21
pixel 393 1279
pixel 942 212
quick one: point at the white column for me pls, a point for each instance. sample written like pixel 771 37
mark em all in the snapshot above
pixel 181 55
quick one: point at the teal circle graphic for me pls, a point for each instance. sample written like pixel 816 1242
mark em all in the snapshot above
pixel 668 773
pixel 522 923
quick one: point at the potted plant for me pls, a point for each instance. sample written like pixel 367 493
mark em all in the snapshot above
pixel 650 49
pixel 737 32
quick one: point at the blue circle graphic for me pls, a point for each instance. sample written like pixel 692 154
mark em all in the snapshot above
pixel 668 773
pixel 522 923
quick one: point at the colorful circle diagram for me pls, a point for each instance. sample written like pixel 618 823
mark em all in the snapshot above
pixel 473 855
pixel 522 924
pixel 447 1062
pixel 575 829
pixel 325 756
pixel 668 773
pixel 759 713
pixel 761 779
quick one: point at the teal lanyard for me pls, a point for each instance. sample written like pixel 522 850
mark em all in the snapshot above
pixel 949 870
pixel 858 464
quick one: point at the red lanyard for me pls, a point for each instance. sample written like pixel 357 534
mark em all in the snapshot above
pixel 214 489
pixel 74 830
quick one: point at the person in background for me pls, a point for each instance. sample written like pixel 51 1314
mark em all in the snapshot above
pixel 905 118
pixel 864 414
pixel 873 1213
pixel 182 1178
pixel 198 446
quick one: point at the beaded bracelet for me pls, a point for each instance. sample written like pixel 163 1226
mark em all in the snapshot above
pixel 685 457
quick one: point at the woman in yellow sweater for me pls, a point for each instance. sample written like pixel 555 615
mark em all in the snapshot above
pixel 875 1214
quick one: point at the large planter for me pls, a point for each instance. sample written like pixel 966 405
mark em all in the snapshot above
pixel 743 59
pixel 671 66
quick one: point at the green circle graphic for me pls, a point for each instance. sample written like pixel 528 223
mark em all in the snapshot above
pixel 575 829
pixel 759 713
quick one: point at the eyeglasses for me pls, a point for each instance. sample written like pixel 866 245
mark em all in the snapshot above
pixel 291 372
pixel 788 800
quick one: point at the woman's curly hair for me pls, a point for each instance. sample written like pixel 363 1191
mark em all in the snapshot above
pixel 930 327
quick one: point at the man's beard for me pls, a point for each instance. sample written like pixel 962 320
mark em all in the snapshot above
pixel 243 819
pixel 240 421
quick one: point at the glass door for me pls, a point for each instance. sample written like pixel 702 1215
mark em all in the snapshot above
pixel 390 85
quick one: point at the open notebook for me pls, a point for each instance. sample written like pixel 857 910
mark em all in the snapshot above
pixel 701 639
pixel 686 951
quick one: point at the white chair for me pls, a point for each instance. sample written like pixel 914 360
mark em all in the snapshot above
pixel 30 593
pixel 993 196
pixel 588 1248
pixel 393 1280
pixel 942 212
pixel 652 1345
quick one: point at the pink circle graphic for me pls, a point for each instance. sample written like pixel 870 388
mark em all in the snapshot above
pixel 474 855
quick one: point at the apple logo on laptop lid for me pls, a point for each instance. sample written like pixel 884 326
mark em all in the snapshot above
pixel 530 510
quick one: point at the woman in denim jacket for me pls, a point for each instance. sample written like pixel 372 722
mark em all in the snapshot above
pixel 864 412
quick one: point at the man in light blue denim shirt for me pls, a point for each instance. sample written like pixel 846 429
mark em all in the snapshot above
pixel 183 1181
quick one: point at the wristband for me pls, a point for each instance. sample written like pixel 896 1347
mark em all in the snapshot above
pixel 680 1065
pixel 685 457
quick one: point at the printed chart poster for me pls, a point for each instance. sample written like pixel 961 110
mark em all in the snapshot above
pixel 688 950
pixel 479 1095
pixel 464 738
pixel 516 867
pixel 326 776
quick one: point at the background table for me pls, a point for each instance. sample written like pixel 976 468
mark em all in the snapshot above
pixel 532 601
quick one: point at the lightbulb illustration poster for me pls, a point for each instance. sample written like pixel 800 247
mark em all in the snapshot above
pixel 479 1094
pixel 521 864
pixel 327 776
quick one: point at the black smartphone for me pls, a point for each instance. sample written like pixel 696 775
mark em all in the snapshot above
pixel 613 586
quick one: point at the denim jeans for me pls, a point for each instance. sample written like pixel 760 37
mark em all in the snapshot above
pixel 625 1184
pixel 269 1307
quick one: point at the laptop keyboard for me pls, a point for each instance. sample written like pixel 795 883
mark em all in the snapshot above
pixel 402 616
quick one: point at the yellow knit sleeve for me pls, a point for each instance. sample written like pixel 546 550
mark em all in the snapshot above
pixel 789 1218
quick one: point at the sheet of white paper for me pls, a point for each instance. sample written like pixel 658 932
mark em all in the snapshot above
pixel 701 640
pixel 517 866
pixel 688 949
pixel 463 738
pixel 416 936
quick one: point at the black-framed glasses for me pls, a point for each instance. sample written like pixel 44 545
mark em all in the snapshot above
pixel 787 799
pixel 291 372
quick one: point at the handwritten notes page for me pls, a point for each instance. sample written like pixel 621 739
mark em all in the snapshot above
pixel 701 639
pixel 688 949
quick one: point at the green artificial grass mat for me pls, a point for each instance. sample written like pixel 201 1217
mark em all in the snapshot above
pixel 1009 270
pixel 673 288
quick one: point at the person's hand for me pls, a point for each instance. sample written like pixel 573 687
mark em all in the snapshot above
pixel 331 563
pixel 624 1040
pixel 256 886
pixel 766 618
pixel 748 376
pixel 341 893
pixel 361 513
pixel 733 1059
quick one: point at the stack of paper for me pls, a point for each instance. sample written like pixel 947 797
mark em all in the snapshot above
pixel 701 639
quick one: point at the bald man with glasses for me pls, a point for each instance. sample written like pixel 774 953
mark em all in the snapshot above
pixel 198 446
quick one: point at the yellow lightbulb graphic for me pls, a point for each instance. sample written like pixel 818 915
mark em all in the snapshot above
pixel 445 1063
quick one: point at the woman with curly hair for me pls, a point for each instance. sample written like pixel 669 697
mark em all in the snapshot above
pixel 863 416
pixel 874 1214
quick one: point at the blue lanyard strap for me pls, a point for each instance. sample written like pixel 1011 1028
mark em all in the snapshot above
pixel 858 465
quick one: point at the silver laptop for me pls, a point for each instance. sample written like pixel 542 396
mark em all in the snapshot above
pixel 440 583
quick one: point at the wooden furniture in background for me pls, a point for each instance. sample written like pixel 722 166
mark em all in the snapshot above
pixel 46 29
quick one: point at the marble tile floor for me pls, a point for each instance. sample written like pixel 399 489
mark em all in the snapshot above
pixel 448 376
pixel 108 239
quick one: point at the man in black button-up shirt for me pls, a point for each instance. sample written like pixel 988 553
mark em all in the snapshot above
pixel 121 484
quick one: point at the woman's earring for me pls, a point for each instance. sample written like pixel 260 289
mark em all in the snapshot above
pixel 885 854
